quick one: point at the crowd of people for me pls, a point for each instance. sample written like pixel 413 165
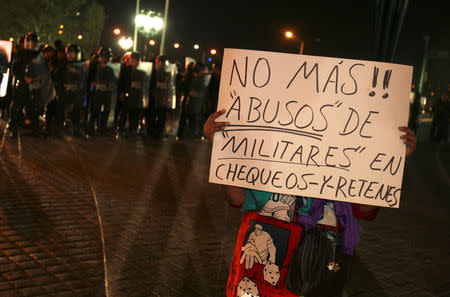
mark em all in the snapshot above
pixel 55 93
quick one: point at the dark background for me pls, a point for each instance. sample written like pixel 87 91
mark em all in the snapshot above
pixel 328 28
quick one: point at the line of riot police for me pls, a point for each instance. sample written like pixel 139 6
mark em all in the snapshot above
pixel 50 84
pixel 55 94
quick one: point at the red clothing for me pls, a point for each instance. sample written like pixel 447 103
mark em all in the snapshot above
pixel 256 273
pixel 259 281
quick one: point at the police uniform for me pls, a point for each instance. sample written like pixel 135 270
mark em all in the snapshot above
pixel 103 83
pixel 28 63
pixel 123 86
pixel 53 68
pixel 72 98
pixel 133 103
pixel 157 106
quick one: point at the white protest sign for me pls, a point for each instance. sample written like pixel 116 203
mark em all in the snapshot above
pixel 5 52
pixel 312 126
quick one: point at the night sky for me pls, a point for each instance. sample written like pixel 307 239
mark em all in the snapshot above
pixel 329 28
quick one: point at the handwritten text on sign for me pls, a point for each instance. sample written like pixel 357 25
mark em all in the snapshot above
pixel 312 126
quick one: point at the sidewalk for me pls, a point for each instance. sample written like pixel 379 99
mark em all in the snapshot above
pixel 169 233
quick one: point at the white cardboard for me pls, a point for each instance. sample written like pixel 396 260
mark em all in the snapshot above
pixel 364 167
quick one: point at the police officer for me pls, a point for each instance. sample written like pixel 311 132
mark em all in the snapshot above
pixel 50 110
pixel 31 74
pixel 3 64
pixel 103 83
pixel 133 102
pixel 72 96
pixel 122 87
pixel 159 93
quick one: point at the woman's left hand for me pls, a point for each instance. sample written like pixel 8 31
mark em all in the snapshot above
pixel 410 139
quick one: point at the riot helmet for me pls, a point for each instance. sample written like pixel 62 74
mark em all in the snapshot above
pixel 49 52
pixel 72 51
pixel 135 56
pixel 31 41
pixel 72 48
pixel 21 41
pixel 135 59
pixel 105 52
pixel 161 62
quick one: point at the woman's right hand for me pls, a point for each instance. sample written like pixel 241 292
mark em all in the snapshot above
pixel 211 126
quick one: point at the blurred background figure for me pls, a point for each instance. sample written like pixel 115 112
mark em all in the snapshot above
pixel 30 74
pixel 133 100
pixel 72 96
pixel 158 94
pixel 439 125
pixel 213 91
pixel 50 110
pixel 193 104
pixel 103 83
pixel 122 85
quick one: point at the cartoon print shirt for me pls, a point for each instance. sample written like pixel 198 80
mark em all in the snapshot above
pixel 267 239
pixel 282 207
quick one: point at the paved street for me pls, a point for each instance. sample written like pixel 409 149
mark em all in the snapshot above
pixel 167 232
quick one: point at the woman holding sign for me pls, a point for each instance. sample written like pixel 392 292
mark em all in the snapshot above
pixel 289 245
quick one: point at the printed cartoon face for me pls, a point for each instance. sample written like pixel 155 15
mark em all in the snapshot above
pixel 280 207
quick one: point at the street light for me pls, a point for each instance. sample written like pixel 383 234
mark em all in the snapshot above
pixel 162 24
pixel 152 42
pixel 290 35
pixel 117 31
pixel 60 32
pixel 213 51
pixel 176 45
pixel 126 43
pixel 80 36
pixel 196 46
pixel 149 23
pixel 11 39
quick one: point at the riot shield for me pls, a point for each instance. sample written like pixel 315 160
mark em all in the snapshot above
pixel 5 59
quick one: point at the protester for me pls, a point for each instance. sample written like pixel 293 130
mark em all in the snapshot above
pixel 318 238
